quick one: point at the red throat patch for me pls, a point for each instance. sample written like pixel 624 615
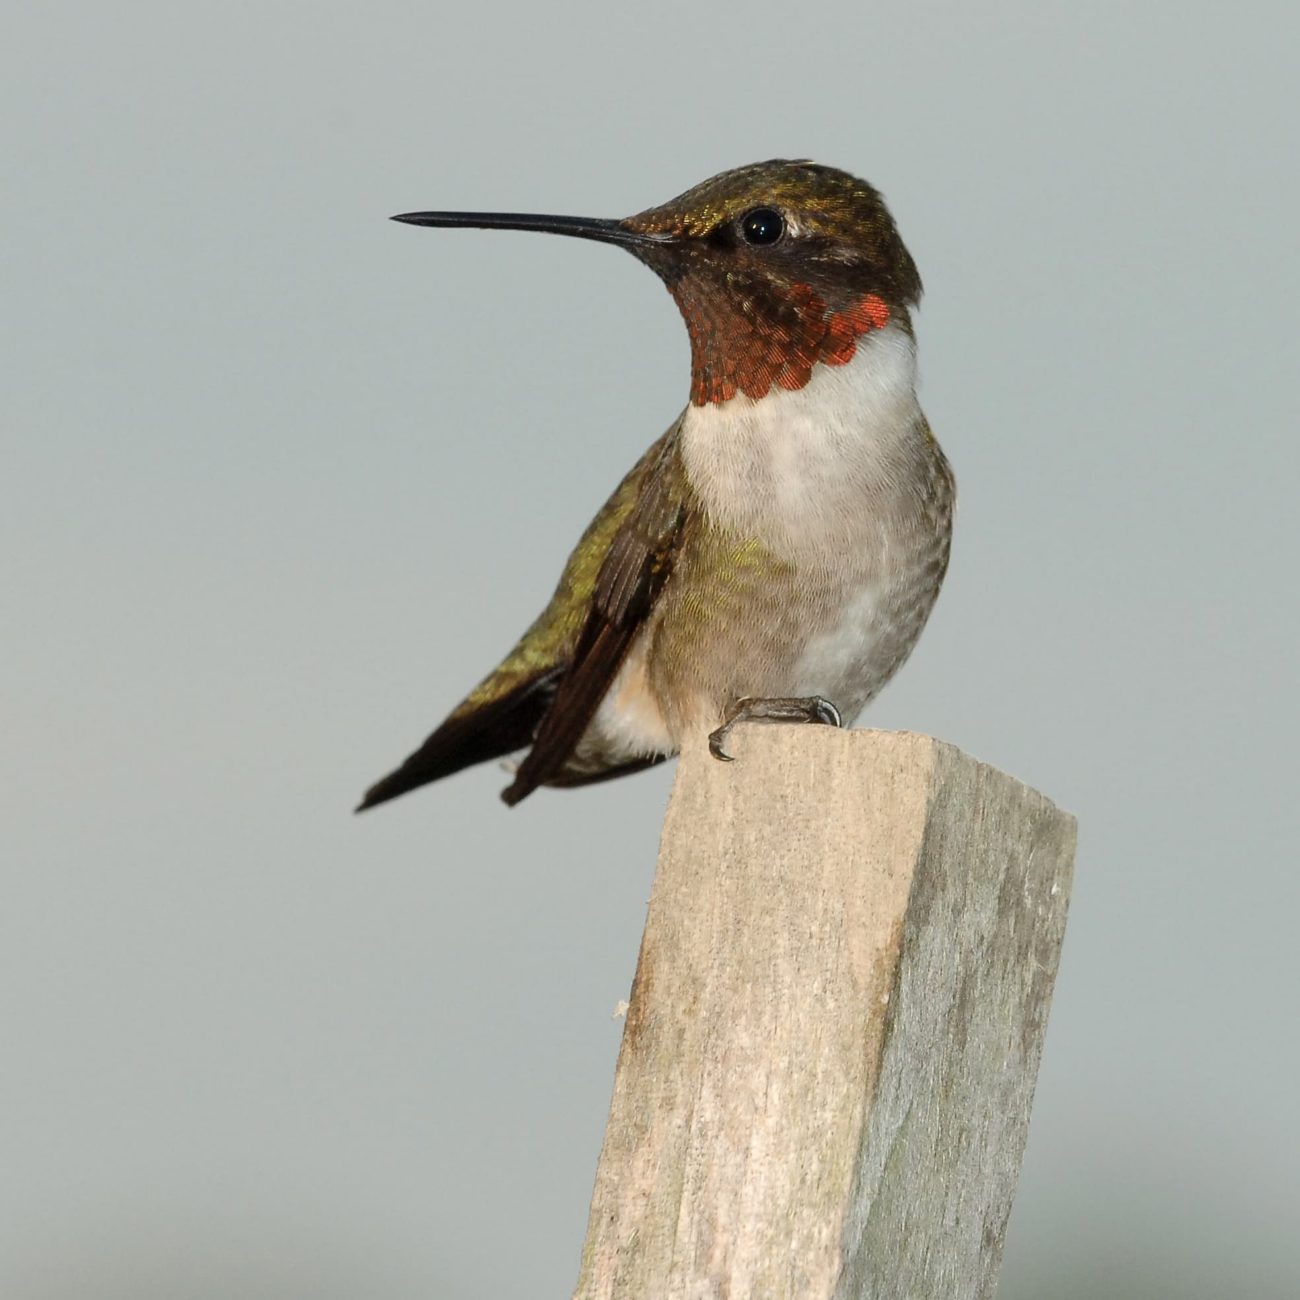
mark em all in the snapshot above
pixel 737 348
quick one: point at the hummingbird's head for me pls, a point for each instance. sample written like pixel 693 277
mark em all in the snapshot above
pixel 777 267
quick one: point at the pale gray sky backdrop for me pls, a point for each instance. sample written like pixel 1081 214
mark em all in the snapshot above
pixel 280 479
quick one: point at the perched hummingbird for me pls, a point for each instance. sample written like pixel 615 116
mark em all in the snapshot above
pixel 777 552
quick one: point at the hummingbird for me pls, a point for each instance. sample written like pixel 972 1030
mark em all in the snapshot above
pixel 777 552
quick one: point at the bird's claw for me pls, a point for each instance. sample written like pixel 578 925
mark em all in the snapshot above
pixel 811 708
pixel 825 713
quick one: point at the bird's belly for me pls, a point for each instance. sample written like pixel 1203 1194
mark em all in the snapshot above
pixel 683 674
pixel 843 649
pixel 849 658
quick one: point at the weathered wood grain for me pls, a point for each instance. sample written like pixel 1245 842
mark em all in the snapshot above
pixel 826 1074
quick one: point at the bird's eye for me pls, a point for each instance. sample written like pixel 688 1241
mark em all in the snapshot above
pixel 762 226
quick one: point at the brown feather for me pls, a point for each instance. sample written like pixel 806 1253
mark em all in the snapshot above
pixel 635 570
pixel 498 727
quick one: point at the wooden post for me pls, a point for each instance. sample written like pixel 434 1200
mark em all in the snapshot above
pixel 826 1074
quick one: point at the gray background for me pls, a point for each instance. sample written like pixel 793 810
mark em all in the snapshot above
pixel 281 479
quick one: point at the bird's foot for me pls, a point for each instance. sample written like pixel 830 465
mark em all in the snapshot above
pixel 811 708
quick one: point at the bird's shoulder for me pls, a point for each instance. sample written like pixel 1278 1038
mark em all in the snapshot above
pixel 639 515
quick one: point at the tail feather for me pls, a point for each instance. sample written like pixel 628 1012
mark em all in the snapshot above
pixel 490 730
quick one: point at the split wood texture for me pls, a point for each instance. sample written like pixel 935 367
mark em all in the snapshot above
pixel 824 1086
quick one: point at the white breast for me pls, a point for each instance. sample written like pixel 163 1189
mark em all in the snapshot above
pixel 794 468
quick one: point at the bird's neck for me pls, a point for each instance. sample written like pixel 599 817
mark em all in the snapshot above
pixel 811 465
pixel 753 338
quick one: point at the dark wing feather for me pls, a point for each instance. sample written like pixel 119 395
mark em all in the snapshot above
pixel 636 567
pixel 506 710
pixel 499 726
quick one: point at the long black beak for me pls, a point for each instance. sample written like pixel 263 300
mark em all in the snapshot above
pixel 607 232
